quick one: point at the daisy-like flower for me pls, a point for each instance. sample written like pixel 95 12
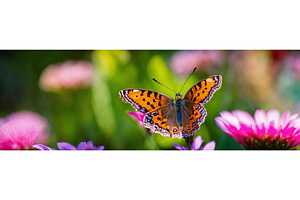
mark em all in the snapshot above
pixel 19 131
pixel 264 131
pixel 67 146
pixel 185 61
pixel 197 145
pixel 67 75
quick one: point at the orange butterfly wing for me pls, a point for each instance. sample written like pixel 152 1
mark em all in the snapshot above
pixel 161 117
pixel 193 111
pixel 193 116
pixel 144 100
pixel 204 90
pixel 163 121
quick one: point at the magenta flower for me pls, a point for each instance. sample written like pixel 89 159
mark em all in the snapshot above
pixel 67 75
pixel 67 146
pixel 41 124
pixel 264 131
pixel 19 131
pixel 197 145
pixel 139 116
pixel 185 61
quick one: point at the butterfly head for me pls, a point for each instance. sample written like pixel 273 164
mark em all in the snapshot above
pixel 178 96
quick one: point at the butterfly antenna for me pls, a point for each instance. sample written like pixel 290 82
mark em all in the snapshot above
pixel 162 84
pixel 188 79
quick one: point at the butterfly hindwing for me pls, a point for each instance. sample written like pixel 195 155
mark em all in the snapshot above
pixel 204 90
pixel 163 121
pixel 193 116
pixel 144 100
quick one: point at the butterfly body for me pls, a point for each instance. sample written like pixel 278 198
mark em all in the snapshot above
pixel 165 115
pixel 179 104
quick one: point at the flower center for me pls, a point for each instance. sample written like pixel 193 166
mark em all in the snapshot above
pixel 268 143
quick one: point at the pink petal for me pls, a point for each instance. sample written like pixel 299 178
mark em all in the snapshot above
pixel 243 117
pixel 260 131
pixel 197 143
pixel 273 115
pixel 260 118
pixel 272 131
pixel 296 123
pixel 284 119
pixel 221 123
pixel 246 129
pixel 40 123
pixel 139 116
pixel 18 134
pixel 210 146
pixel 230 118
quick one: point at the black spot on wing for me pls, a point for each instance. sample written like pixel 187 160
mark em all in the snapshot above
pixel 192 92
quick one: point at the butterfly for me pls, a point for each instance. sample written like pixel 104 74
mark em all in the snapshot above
pixel 165 116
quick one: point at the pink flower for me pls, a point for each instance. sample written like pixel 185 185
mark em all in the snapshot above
pixel 40 122
pixel 21 130
pixel 139 117
pixel 293 63
pixel 67 75
pixel 264 131
pixel 185 61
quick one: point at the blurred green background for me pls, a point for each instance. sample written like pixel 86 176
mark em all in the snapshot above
pixel 251 80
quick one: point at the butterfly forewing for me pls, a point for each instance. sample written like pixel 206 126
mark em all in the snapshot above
pixel 144 100
pixel 204 90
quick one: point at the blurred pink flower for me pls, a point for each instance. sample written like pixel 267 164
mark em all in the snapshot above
pixel 139 116
pixel 21 130
pixel 184 62
pixel 67 75
pixel 264 131
pixel 292 62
